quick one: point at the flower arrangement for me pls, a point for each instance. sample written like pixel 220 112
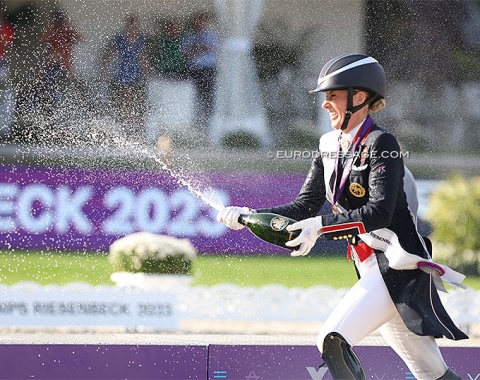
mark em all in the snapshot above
pixel 145 252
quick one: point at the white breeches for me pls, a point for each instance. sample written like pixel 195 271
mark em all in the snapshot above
pixel 367 306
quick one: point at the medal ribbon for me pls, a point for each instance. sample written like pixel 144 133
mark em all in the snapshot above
pixel 359 137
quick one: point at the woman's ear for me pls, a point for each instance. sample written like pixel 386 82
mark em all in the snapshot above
pixel 360 97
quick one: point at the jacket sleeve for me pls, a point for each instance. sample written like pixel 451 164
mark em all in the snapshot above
pixel 385 189
pixel 310 199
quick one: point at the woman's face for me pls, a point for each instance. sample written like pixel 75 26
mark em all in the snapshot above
pixel 335 104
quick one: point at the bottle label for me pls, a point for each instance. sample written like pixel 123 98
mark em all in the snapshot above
pixel 278 223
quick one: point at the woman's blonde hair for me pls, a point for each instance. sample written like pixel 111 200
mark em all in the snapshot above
pixel 377 105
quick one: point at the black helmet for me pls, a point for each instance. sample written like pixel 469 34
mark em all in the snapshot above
pixel 356 71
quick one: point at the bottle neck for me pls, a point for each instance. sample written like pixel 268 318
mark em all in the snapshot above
pixel 242 219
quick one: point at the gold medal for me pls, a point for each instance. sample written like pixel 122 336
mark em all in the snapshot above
pixel 357 190
pixel 335 209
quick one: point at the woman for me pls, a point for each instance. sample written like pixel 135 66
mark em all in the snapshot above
pixel 360 171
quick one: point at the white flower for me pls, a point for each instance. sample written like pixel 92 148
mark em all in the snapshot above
pixel 136 251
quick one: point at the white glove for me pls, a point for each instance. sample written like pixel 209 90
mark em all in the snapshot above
pixel 229 216
pixel 311 230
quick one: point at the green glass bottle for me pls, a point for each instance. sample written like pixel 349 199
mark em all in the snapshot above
pixel 269 227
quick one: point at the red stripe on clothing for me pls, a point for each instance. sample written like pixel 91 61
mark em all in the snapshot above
pixel 344 226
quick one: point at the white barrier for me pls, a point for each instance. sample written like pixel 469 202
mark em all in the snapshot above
pixel 79 304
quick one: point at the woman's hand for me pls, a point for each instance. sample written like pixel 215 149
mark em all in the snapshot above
pixel 229 216
pixel 311 230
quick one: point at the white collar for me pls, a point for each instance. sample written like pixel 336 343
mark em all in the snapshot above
pixel 350 135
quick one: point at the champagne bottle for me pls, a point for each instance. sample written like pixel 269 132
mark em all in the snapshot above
pixel 269 227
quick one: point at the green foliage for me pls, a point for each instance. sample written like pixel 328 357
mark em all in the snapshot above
pixel 454 213
pixel 468 64
pixel 149 253
pixel 301 135
pixel 241 140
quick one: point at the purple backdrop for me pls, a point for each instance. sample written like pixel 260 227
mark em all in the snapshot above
pixel 231 362
pixel 106 362
pixel 301 362
pixel 87 209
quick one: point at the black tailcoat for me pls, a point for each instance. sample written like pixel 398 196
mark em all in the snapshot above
pixel 374 198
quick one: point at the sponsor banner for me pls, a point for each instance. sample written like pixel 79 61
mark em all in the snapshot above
pixel 88 209
pixel 234 362
pixel 84 305
pixel 302 362
pixel 96 362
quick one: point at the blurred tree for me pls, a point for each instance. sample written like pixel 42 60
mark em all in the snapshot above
pixel 413 36
pixel 454 212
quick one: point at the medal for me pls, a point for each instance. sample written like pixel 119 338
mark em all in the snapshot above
pixel 340 178
pixel 345 143
pixel 357 190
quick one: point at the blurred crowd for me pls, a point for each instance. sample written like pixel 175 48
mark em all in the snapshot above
pixel 52 94
pixel 174 52
pixel 427 48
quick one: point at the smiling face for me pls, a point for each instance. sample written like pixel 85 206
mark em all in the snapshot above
pixel 335 104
